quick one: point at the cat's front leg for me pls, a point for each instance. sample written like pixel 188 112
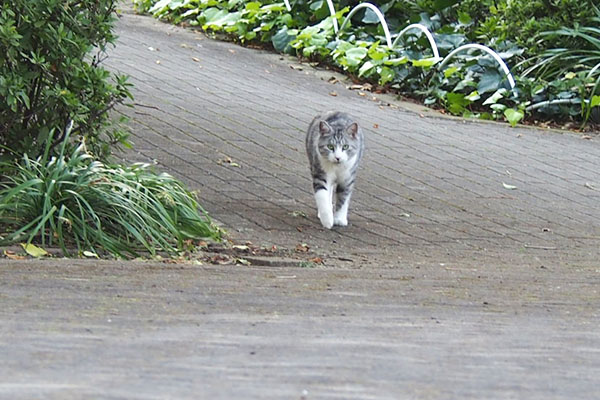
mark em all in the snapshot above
pixel 343 194
pixel 324 207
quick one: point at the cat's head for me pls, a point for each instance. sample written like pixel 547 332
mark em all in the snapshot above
pixel 338 144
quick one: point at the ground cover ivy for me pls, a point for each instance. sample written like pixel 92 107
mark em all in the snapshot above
pixel 552 56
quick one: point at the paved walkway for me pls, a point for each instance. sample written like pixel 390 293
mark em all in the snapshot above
pixel 231 121
pixel 446 285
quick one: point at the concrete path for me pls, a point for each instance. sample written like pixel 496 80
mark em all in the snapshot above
pixel 448 284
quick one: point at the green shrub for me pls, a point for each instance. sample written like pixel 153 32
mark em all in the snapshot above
pixel 72 201
pixel 48 76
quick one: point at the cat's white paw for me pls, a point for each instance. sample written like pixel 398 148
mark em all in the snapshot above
pixel 326 219
pixel 340 220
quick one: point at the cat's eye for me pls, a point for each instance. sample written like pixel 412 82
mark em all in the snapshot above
pixel 345 147
pixel 330 147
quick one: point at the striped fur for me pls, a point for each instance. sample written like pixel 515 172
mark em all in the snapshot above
pixel 334 145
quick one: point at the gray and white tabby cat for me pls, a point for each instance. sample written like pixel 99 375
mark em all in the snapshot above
pixel 334 145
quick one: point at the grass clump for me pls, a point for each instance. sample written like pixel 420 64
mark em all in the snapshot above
pixel 75 202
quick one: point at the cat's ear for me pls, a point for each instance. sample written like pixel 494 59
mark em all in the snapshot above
pixel 352 130
pixel 324 128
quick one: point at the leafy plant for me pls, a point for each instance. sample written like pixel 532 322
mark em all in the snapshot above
pixel 72 201
pixel 48 75
pixel 471 85
pixel 573 74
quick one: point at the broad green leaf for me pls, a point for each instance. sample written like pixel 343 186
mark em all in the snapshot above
pixel 220 18
pixel 595 101
pixel 513 116
pixel 281 40
pixel 498 94
pixel 424 62
pixel 253 6
pixel 386 74
pixel 159 6
pixel 377 52
pixel 365 68
pixel 490 81
pixel 442 4
pixel 316 5
pixel 456 103
pixel 473 96
pixel 33 250
pixel 396 61
pixel 355 55
pixel 370 17
pixel 464 18
pixel 570 75
pixel 450 71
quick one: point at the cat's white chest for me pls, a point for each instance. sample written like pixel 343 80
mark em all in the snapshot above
pixel 338 172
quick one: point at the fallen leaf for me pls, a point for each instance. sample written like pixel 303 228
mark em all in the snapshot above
pixel 13 256
pixel 196 59
pixel 152 49
pixel 299 229
pixel 509 187
pixel 242 261
pixel 589 186
pixel 33 250
pixel 334 94
pixel 362 94
pixel 299 214
pixel 90 254
pixel 333 80
pixel 220 259
pixel 185 46
pixel 232 51
pixel 375 126
pixel 241 247
pixel 302 248
pixel 316 260
pixel 586 137
pixel 297 67
pixel 228 161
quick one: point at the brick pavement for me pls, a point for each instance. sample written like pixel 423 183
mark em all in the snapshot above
pixel 453 305
pixel 428 185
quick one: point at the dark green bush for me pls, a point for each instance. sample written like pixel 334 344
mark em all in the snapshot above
pixel 49 76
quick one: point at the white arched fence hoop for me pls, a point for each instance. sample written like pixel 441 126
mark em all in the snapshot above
pixel 497 58
pixel 382 21
pixel 422 28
